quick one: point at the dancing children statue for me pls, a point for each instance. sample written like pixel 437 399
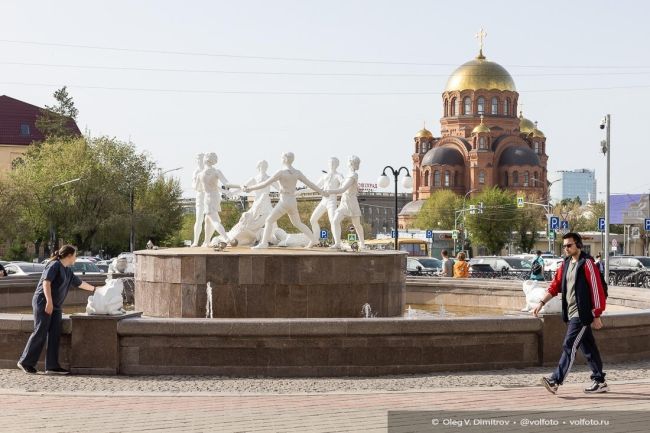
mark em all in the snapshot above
pixel 349 206
pixel 209 179
pixel 200 198
pixel 287 177
pixel 330 181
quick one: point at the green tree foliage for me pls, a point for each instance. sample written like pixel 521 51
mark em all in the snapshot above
pixel 55 120
pixel 438 212
pixel 93 213
pixel 529 221
pixel 493 227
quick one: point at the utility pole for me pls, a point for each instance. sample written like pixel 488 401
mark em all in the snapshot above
pixel 606 147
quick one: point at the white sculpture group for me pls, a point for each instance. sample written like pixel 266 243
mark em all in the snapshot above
pixel 259 223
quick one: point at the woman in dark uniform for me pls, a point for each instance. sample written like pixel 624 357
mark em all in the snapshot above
pixel 47 303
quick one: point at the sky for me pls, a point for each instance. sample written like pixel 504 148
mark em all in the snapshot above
pixel 252 79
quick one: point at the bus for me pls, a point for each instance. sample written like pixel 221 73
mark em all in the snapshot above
pixel 413 247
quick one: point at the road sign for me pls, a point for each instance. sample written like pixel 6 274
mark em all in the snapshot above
pixel 647 224
pixel 554 223
pixel 614 243
pixel 551 235
pixel 392 234
pixel 429 234
pixel 323 234
pixel 352 237
pixel 520 202
pixel 601 224
pixel 635 232
pixel 454 234
pixel 564 225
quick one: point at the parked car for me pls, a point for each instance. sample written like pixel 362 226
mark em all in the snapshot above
pixel 621 267
pixel 103 265
pixel 481 268
pixel 23 268
pixel 85 266
pixel 503 264
pixel 430 265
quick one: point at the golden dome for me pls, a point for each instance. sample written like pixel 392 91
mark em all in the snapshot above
pixel 480 74
pixel 424 133
pixel 481 127
pixel 537 133
pixel 525 125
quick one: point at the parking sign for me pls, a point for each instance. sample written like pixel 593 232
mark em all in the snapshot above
pixel 323 234
pixel 647 224
pixel 554 223
pixel 520 202
pixel 601 224
pixel 564 225
pixel 429 234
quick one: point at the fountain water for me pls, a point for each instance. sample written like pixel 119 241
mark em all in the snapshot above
pixel 208 302
pixel 366 311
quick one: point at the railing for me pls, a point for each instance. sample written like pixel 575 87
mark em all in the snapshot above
pixel 629 278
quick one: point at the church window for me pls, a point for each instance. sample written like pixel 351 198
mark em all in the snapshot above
pixel 526 178
pixel 505 178
pixel 482 143
pixel 480 105
pixel 24 129
pixel 452 108
pixel 495 106
pixel 515 178
pixel 436 178
pixel 536 179
pixel 481 177
pixel 446 107
pixel 506 107
pixel 467 105
pixel 426 178
pixel 447 178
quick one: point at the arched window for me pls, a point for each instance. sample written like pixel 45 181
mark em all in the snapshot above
pixel 515 178
pixel 536 177
pixel 447 178
pixel 467 105
pixel 436 178
pixel 495 106
pixel 452 107
pixel 481 177
pixel 426 178
pixel 480 105
pixel 526 178
pixel 482 143
pixel 505 178
pixel 506 107
pixel 446 107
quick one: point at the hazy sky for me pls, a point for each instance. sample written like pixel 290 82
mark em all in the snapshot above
pixel 572 62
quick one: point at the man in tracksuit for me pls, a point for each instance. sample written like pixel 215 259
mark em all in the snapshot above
pixel 583 301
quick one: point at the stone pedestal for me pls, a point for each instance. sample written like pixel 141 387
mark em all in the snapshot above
pixel 553 332
pixel 276 282
pixel 95 343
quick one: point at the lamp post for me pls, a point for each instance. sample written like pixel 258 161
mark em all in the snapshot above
pixel 462 212
pixel 407 183
pixel 52 242
pixel 606 149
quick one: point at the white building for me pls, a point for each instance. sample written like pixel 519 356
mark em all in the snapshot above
pixel 575 183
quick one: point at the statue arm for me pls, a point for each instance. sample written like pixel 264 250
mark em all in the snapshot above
pixel 347 184
pixel 263 184
pixel 310 184
pixel 225 182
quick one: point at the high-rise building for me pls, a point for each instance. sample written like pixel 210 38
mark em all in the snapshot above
pixel 569 184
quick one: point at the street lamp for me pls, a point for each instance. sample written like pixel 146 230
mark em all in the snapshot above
pixel 170 170
pixel 606 148
pixel 407 182
pixel 462 212
pixel 52 226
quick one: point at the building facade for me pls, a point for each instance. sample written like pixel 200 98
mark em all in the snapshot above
pixel 18 129
pixel 575 183
pixel 483 142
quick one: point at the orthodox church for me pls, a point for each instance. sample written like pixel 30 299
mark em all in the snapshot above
pixel 483 141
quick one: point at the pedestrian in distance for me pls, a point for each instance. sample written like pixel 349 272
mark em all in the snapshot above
pixel 537 268
pixel 47 304
pixel 447 264
pixel 461 267
pixel 583 302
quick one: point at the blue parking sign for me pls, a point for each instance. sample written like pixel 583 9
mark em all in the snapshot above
pixel 323 234
pixel 601 224
pixel 564 225
pixel 429 234
pixel 647 224
pixel 554 222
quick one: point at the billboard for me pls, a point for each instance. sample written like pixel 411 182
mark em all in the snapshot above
pixel 629 208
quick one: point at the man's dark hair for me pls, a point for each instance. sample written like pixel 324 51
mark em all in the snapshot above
pixel 576 238
pixel 444 253
pixel 538 252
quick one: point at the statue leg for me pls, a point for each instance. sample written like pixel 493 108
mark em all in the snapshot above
pixel 336 229
pixel 358 227
pixel 275 215
pixel 198 227
pixel 315 216
pixel 209 229
pixel 294 217
pixel 216 223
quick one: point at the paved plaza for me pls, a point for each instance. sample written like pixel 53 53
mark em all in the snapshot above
pixel 206 404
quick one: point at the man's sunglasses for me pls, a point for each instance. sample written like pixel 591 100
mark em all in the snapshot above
pixel 567 245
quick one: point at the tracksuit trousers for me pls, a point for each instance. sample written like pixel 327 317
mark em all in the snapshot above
pixel 578 335
pixel 47 327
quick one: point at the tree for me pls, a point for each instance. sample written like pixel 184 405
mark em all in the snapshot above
pixel 56 121
pixel 439 211
pixel 529 222
pixel 493 226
